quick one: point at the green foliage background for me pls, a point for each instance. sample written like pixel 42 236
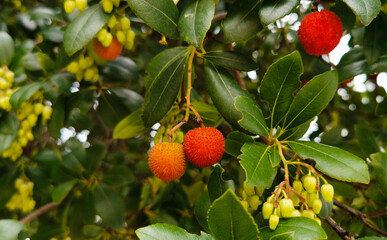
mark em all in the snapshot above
pixel 89 164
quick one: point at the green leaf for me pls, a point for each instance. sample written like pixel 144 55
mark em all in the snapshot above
pixel 256 162
pixel 301 228
pixel 347 17
pixel 46 62
pixel 231 60
pixel 312 99
pixel 372 238
pixel 10 229
pixel 222 88
pixel 7 48
pixel 279 83
pixel 374 39
pixel 61 191
pixel 120 69
pixel 381 108
pixel 274 156
pixel 94 156
pixel 366 139
pixel 380 168
pixel 228 219
pixel 24 93
pixel 352 64
pixel 92 231
pixel 252 118
pixel 163 231
pixel 130 126
pixel 272 10
pixel 165 72
pixel 208 113
pixel 296 133
pixel 201 207
pixel 83 28
pixel 216 185
pixel 118 175
pixel 235 141
pixel 195 20
pixel 56 122
pixel 109 205
pixel 242 21
pixel 161 15
pixel 9 126
pixel 333 161
pixel 116 104
pixel 366 10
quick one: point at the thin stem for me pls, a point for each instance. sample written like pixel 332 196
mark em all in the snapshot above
pixel 197 116
pixel 219 16
pixel 344 234
pixel 285 162
pixel 39 212
pixel 174 129
pixel 189 83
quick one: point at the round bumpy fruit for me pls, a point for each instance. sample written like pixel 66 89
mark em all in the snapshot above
pixel 167 161
pixel 320 32
pixel 110 52
pixel 204 146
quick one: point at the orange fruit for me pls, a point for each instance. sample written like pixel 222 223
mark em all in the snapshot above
pixel 110 52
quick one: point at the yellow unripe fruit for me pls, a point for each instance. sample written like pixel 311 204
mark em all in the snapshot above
pixel 327 192
pixel 295 213
pixel 297 185
pixel 245 205
pixel 89 61
pixel 112 22
pixel 82 63
pixel 73 67
pixel 108 40
pixel 273 221
pixel 253 201
pixel 179 137
pixel 116 3
pixel 2 71
pixel 89 74
pixel 32 119
pixel 69 6
pixel 120 36
pixel 101 36
pixel 286 206
pixel 317 205
pixel 267 210
pixel 38 108
pixel 295 198
pixel 9 76
pixel 47 111
pixel 318 220
pixel 81 4
pixel 311 197
pixel 310 183
pixel 125 23
pixel 107 6
pixel 308 214
pixel 248 189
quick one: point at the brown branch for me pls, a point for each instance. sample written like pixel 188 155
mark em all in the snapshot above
pixel 359 215
pixel 377 214
pixel 39 212
pixel 344 234
pixel 219 16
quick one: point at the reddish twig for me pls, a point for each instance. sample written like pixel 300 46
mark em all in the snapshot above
pixel 39 212
pixel 344 234
pixel 359 215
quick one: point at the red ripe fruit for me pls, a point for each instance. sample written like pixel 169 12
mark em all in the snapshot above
pixel 110 52
pixel 167 161
pixel 320 32
pixel 204 146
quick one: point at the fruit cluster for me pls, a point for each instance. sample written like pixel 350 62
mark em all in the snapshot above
pixel 111 38
pixel 84 68
pixel 250 196
pixel 28 115
pixel 6 81
pixel 303 195
pixel 22 198
pixel 162 135
pixel 203 146
pixel 69 5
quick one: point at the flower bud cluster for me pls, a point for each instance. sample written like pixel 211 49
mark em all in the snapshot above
pixel 301 199
pixel 28 114
pixel 162 135
pixel 6 81
pixel 120 27
pixel 22 199
pixel 250 196
pixel 84 68
pixel 69 5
